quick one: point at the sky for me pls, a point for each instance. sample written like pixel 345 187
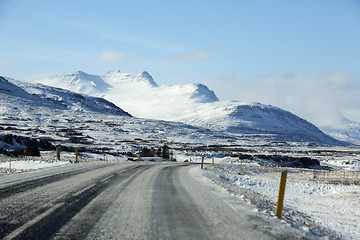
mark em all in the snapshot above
pixel 303 56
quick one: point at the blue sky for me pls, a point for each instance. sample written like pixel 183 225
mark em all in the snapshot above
pixel 225 44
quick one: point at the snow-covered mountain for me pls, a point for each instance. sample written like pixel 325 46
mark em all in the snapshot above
pixel 37 111
pixel 256 119
pixel 115 77
pixel 78 82
pixel 194 104
pixel 35 95
pixel 13 91
pixel 136 93
pixel 347 131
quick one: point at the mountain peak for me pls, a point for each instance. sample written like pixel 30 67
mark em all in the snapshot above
pixel 8 87
pixel 204 94
pixel 115 77
pixel 115 70
pixel 80 73
pixel 148 77
pixel 78 81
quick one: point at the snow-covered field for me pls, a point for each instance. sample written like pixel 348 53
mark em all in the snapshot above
pixel 319 207
pixel 48 159
pixel 11 166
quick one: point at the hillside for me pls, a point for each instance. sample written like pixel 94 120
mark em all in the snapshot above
pixel 346 131
pixel 255 119
pixel 37 111
pixel 37 95
pixel 78 82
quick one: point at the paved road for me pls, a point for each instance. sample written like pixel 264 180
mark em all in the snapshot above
pixel 119 201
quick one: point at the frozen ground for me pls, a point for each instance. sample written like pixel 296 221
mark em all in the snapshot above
pixel 48 160
pixel 322 209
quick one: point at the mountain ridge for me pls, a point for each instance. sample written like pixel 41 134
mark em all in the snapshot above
pixel 197 105
pixel 51 97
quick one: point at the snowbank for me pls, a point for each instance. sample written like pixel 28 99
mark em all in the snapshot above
pixel 28 165
pixel 335 208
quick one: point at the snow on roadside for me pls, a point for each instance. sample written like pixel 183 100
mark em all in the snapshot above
pixel 334 209
pixel 28 165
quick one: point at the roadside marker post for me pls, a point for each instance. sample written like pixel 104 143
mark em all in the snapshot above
pixel 139 158
pixel 280 201
pixel 213 161
pixel 202 161
pixel 76 156
pixel 58 150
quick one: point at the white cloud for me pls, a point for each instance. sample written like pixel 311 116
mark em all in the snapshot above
pixel 137 40
pixel 322 100
pixel 111 56
pixel 199 55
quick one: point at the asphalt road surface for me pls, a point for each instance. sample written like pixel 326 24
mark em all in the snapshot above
pixel 120 201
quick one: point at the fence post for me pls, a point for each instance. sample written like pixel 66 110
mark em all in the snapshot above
pixel 76 156
pixel 280 201
pixel 202 161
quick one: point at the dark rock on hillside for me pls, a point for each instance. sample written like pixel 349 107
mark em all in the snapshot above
pixel 13 145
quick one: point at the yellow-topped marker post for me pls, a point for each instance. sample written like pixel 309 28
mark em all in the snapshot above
pixel 280 202
pixel 76 156
pixel 202 161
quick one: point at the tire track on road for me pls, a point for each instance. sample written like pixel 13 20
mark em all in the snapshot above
pixel 80 225
pixel 38 182
pixel 177 216
pixel 66 208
